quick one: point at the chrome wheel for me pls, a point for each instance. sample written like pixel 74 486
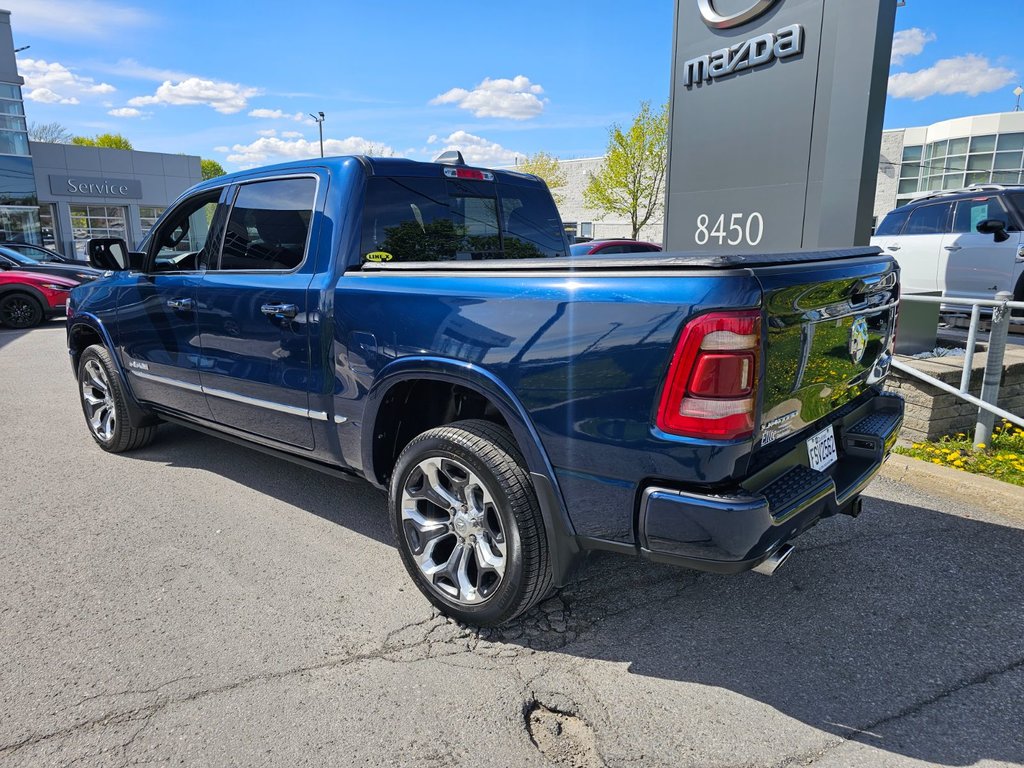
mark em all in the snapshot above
pixel 451 523
pixel 100 411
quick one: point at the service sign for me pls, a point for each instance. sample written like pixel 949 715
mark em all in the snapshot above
pixel 776 122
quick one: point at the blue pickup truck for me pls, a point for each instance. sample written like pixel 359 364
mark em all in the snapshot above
pixel 423 326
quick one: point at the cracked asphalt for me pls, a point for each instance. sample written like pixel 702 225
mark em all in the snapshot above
pixel 199 603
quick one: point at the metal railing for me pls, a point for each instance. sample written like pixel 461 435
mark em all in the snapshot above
pixel 1002 306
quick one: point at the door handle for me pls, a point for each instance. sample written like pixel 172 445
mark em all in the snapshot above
pixel 893 247
pixel 952 248
pixel 182 305
pixel 279 310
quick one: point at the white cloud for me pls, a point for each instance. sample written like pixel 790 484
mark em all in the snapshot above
pixel 909 42
pixel 518 98
pixel 52 83
pixel 267 132
pixel 476 149
pixel 276 114
pixel 971 75
pixel 273 149
pixel 46 96
pixel 291 134
pixel 75 19
pixel 226 98
pixel 125 112
pixel 132 68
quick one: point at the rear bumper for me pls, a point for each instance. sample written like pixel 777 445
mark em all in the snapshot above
pixel 735 532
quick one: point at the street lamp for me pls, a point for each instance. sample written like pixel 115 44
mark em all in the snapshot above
pixel 320 123
pixel 1018 92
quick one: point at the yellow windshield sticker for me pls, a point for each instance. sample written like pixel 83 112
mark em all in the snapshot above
pixel 379 256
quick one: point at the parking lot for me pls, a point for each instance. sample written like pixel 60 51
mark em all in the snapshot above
pixel 200 603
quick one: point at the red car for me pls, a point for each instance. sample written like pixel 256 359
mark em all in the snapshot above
pixel 27 298
pixel 594 247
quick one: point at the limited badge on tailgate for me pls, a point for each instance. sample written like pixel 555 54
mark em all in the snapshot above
pixel 821 449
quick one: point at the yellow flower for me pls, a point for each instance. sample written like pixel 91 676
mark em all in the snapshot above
pixel 980 445
pixel 958 464
pixel 937 461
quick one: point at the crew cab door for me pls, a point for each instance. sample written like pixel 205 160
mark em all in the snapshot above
pixel 973 264
pixel 255 309
pixel 158 333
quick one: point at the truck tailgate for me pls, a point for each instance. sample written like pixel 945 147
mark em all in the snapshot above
pixel 829 334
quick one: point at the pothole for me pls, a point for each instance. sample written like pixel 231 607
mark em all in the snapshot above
pixel 564 738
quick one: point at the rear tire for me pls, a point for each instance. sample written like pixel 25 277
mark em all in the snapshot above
pixel 105 406
pixel 469 528
pixel 19 310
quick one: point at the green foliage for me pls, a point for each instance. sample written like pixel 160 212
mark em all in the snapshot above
pixel 1003 459
pixel 631 181
pixel 211 169
pixel 107 140
pixel 547 167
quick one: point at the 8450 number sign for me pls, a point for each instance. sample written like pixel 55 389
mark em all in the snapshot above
pixel 730 229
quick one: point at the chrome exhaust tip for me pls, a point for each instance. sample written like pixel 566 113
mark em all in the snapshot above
pixel 775 560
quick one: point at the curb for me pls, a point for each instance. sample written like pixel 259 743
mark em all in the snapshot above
pixel 978 490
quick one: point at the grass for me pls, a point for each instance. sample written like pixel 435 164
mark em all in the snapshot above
pixel 1002 459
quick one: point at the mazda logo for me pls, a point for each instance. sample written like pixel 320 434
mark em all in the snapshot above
pixel 716 20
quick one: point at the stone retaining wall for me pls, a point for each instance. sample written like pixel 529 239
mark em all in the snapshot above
pixel 932 413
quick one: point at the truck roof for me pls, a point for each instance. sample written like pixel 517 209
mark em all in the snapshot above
pixel 374 166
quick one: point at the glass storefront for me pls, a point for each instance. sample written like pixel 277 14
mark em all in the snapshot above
pixel 88 221
pixel 148 214
pixel 13 130
pixel 958 163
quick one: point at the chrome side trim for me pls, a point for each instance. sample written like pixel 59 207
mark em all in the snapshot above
pixel 291 410
pixel 340 419
pixel 164 380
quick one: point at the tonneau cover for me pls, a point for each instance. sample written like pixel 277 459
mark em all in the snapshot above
pixel 635 261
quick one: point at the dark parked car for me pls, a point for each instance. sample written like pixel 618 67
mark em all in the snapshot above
pixel 594 247
pixel 27 298
pixel 39 253
pixel 12 260
pixel 421 325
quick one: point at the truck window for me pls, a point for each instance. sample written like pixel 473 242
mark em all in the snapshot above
pixel 183 242
pixel 424 219
pixel 269 225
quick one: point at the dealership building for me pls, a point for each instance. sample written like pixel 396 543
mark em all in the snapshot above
pixel 60 195
pixel 952 154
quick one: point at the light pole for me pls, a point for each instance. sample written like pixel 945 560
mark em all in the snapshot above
pixel 320 124
pixel 1018 92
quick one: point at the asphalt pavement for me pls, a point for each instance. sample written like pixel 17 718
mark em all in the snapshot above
pixel 199 603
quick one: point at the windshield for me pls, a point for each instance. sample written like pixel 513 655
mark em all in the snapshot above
pixel 439 219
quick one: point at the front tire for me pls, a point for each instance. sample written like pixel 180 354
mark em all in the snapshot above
pixel 105 406
pixel 19 310
pixel 469 528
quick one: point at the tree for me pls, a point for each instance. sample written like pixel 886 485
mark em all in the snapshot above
pixel 631 180
pixel 49 133
pixel 108 140
pixel 211 169
pixel 548 168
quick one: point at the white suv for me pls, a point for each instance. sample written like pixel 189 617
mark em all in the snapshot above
pixel 968 243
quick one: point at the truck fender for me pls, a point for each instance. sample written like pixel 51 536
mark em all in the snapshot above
pixel 139 415
pixel 558 526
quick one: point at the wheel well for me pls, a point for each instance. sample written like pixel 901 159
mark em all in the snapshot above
pixel 412 407
pixel 80 338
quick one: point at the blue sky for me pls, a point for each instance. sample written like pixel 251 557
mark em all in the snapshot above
pixel 234 81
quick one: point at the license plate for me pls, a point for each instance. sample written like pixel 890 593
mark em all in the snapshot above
pixel 821 449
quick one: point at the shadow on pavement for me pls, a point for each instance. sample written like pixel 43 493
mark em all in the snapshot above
pixel 8 335
pixel 868 632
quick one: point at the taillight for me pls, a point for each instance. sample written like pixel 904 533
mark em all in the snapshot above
pixel 468 173
pixel 711 391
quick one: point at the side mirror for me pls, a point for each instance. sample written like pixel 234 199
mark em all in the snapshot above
pixel 994 227
pixel 108 253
